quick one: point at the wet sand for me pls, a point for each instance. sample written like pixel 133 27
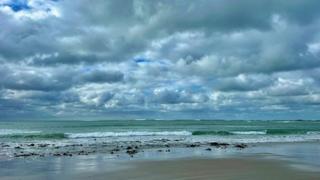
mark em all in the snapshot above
pixel 188 169
pixel 205 169
pixel 263 161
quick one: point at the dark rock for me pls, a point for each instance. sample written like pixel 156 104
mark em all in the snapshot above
pixel 5 145
pixel 18 147
pixel 241 146
pixel 82 153
pixel 168 150
pixel 159 150
pixel 129 147
pixel 31 145
pixel 66 154
pixel 25 154
pixel 216 144
pixel 43 145
pixel 165 140
pixel 21 155
pixel 208 149
pixel 193 145
pixel 132 151
pixel 115 149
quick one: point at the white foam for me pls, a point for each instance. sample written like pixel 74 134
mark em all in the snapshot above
pixel 16 131
pixel 313 132
pixel 128 133
pixel 249 132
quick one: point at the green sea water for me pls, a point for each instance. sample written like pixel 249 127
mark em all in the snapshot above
pixel 110 128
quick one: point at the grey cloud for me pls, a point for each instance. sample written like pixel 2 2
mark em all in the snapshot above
pixel 244 83
pixel 151 58
pixel 101 77
pixel 167 96
pixel 31 80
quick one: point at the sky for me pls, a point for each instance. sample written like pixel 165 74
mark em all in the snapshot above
pixel 169 59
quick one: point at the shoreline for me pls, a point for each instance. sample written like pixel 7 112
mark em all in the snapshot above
pixel 193 168
pixel 31 150
pixel 294 158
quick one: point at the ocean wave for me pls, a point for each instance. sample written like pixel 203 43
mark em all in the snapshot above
pixel 257 132
pixel 313 132
pixel 249 132
pixel 286 131
pixel 128 133
pixel 200 133
pixel 4 132
pixel 15 134
pixel 29 134
pixel 35 136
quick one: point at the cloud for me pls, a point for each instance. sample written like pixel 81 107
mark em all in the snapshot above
pixel 101 76
pixel 167 59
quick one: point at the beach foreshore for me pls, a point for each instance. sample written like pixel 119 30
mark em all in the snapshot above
pixel 174 169
pixel 259 161
pixel 206 169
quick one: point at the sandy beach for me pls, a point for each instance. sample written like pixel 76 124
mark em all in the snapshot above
pixel 186 169
pixel 206 169
pixel 263 161
pixel 152 150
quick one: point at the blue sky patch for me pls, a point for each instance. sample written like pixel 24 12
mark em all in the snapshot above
pixel 18 5
pixel 141 60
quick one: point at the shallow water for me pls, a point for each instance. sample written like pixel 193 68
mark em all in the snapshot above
pixel 298 156
pixel 48 137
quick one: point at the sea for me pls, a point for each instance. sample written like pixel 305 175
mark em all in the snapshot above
pixel 49 137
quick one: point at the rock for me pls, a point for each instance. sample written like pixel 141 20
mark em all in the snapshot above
pixel 208 149
pixel 25 154
pixel 129 147
pixel 66 154
pixel 18 147
pixel 115 150
pixel 82 153
pixel 193 145
pixel 241 146
pixel 31 145
pixel 132 151
pixel 5 145
pixel 216 144
pixel 168 150
pixel 165 140
pixel 159 150
pixel 21 155
pixel 43 145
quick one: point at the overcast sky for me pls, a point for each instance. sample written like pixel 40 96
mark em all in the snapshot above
pixel 170 59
